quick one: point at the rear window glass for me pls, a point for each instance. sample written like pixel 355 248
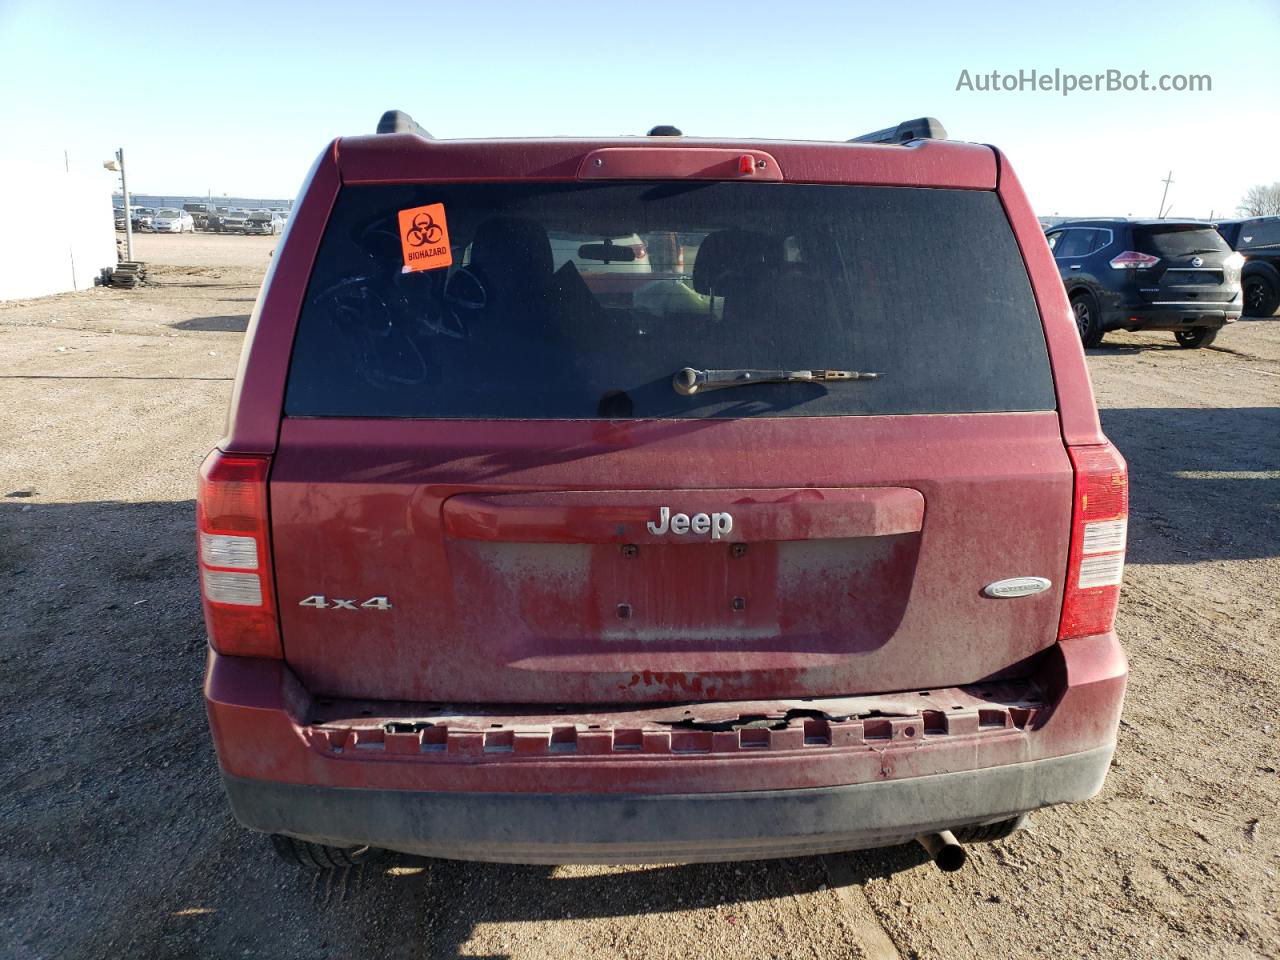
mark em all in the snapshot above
pixel 1260 233
pixel 1179 240
pixel 584 300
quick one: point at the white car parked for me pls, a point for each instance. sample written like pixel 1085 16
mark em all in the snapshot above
pixel 170 220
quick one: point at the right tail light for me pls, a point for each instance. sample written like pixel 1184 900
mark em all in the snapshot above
pixel 1099 527
pixel 1231 267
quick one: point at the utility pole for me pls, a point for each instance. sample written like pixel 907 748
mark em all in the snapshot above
pixel 128 217
pixel 1167 180
pixel 118 164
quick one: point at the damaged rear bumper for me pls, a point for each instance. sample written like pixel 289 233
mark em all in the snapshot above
pixel 684 783
pixel 663 828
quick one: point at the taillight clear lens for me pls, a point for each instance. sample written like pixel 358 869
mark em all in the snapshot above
pixel 1133 260
pixel 1101 571
pixel 1103 536
pixel 1099 527
pixel 223 551
pixel 241 589
pixel 231 515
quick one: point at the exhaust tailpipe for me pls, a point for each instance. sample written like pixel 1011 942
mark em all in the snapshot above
pixel 944 850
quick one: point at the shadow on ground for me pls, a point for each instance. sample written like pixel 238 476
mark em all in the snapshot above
pixel 1213 473
pixel 230 323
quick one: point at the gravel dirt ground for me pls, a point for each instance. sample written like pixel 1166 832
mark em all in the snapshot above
pixel 118 842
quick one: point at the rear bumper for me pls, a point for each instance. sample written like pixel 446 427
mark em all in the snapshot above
pixel 835 774
pixel 663 828
pixel 1171 316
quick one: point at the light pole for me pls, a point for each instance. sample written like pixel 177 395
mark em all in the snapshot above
pixel 118 164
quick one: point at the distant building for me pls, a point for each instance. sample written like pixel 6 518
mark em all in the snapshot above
pixel 57 230
pixel 155 200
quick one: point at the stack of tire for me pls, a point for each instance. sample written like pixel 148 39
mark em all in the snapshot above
pixel 128 274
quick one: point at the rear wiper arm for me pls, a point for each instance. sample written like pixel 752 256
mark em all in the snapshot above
pixel 690 381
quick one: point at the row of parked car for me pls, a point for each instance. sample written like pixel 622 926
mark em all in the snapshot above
pixel 200 216
pixel 1191 277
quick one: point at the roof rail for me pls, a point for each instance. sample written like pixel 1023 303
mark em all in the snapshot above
pixel 922 128
pixel 397 121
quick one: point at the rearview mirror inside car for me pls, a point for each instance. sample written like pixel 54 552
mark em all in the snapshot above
pixel 608 252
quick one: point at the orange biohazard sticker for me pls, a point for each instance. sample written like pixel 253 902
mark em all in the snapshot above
pixel 424 238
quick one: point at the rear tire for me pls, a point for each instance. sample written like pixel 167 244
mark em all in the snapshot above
pixel 319 856
pixel 1261 295
pixel 1088 320
pixel 990 832
pixel 1196 337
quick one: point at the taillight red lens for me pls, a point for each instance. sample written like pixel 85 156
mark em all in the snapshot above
pixel 234 551
pixel 1133 260
pixel 1099 527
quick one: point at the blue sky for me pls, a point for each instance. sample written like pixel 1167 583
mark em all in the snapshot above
pixel 239 97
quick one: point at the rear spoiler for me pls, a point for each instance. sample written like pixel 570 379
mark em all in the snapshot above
pixel 397 121
pixel 922 128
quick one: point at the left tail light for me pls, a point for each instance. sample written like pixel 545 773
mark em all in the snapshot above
pixel 1133 260
pixel 234 549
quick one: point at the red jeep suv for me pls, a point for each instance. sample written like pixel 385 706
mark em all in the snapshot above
pixel 803 538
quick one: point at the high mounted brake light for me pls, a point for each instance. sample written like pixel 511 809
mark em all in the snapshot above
pixel 1099 526
pixel 1133 260
pixel 234 553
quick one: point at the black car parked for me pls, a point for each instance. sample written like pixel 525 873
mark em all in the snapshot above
pixel 1258 241
pixel 1121 274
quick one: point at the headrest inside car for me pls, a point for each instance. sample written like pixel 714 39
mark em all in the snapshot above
pixel 512 245
pixel 729 254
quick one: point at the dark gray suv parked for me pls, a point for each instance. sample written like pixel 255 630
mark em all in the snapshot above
pixel 1121 274
pixel 1258 241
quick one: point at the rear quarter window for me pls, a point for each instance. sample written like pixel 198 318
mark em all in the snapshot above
pixel 583 300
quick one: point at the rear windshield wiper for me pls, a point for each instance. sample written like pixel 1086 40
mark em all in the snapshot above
pixel 690 381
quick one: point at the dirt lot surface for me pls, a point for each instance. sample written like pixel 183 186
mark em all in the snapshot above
pixel 118 842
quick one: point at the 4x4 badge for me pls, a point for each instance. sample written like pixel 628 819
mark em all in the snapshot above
pixel 320 602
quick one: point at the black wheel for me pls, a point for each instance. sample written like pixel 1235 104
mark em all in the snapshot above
pixel 319 856
pixel 1196 337
pixel 989 832
pixel 1088 322
pixel 1261 295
